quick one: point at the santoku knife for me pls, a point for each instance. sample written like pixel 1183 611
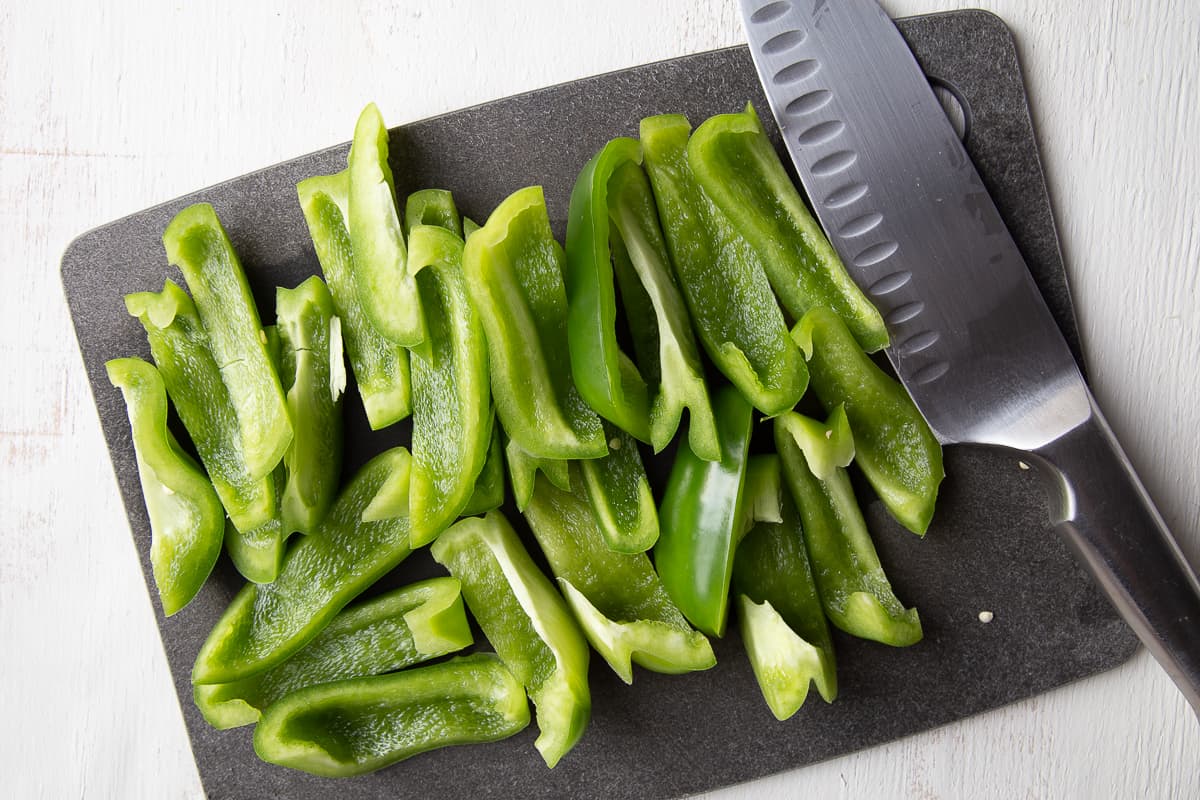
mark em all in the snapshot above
pixel 972 338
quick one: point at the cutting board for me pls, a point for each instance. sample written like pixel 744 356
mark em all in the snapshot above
pixel 990 547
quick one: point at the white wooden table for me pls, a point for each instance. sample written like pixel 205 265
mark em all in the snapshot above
pixel 108 107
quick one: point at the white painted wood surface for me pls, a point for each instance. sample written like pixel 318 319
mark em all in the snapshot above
pixel 108 107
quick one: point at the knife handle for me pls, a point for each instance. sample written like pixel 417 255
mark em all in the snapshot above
pixel 1106 515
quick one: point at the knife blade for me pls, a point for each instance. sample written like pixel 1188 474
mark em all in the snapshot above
pixel 971 336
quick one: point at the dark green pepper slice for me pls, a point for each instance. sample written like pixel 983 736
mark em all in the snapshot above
pixel 702 518
pixel 782 622
pixel 258 553
pixel 196 242
pixel 386 289
pixel 380 367
pixel 193 380
pixel 613 218
pixel 514 273
pixel 739 169
pixel 432 207
pixel 855 592
pixel 452 410
pixel 489 486
pixel 618 600
pixel 357 726
pixel 619 492
pixel 321 574
pixel 732 307
pixel 313 373
pixel 527 622
pixel 406 626
pixel 893 444
pixel 186 518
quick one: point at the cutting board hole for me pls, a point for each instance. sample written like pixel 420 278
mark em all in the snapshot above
pixel 956 110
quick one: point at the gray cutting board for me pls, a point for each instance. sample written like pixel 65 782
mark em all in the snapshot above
pixel 989 548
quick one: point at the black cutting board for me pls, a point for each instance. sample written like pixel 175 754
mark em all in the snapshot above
pixel 990 547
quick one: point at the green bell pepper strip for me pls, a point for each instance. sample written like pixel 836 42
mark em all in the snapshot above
pixel 181 352
pixel 619 492
pixel 406 626
pixel 514 272
pixel 452 411
pixel 432 207
pixel 617 598
pixel 613 226
pixel 469 226
pixel 357 726
pixel 196 242
pixel 732 307
pixel 854 590
pixel 386 289
pixel 739 169
pixel 527 623
pixel 258 553
pixel 782 622
pixel 186 518
pixel 380 367
pixel 702 518
pixel 523 469
pixel 894 446
pixel 314 376
pixel 322 573
pixel 489 486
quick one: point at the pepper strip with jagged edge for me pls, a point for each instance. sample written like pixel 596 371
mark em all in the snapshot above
pixel 380 367
pixel 893 444
pixel 855 592
pixel 617 598
pixel 782 622
pixel 620 495
pixel 179 346
pixel 406 626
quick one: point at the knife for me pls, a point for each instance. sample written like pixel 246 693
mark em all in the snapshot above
pixel 972 339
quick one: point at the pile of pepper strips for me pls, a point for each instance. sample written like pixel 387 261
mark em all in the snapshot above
pixel 504 350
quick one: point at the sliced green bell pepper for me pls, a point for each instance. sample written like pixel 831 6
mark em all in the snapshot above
pixel 432 207
pixel 893 444
pixel 619 492
pixel 314 376
pixel 451 395
pixel 489 486
pixel 386 289
pixel 406 626
pixel 357 726
pixel 527 622
pixel 186 518
pixel 181 352
pixel 732 307
pixel 514 272
pixel 380 367
pixel 782 622
pixel 739 169
pixel 196 242
pixel 257 553
pixel 702 518
pixel 854 590
pixel 523 469
pixel 612 218
pixel 321 574
pixel 618 600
